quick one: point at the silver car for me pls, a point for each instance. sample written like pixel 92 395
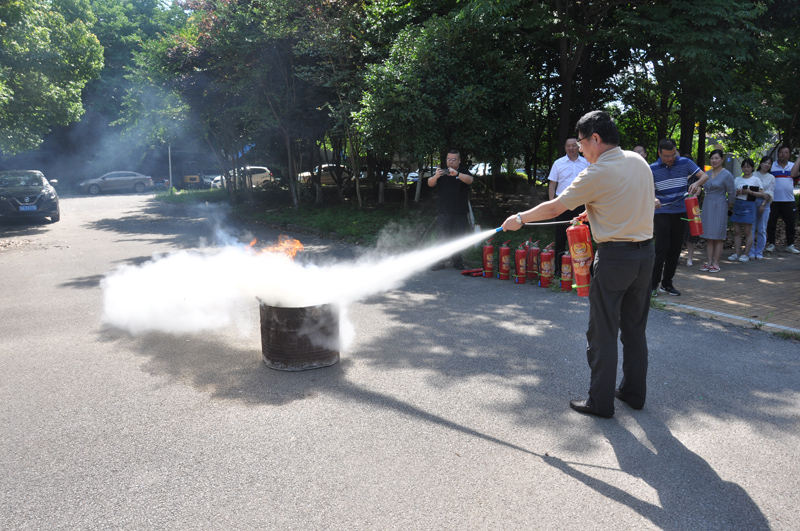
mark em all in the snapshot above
pixel 117 181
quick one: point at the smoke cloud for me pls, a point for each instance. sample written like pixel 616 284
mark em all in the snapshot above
pixel 189 292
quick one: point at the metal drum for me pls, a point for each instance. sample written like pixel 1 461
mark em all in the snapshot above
pixel 296 339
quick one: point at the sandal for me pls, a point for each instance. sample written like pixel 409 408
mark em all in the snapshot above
pixel 713 269
pixel 704 267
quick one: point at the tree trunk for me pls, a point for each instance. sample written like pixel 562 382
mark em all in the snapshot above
pixel 292 177
pixel 687 124
pixel 701 141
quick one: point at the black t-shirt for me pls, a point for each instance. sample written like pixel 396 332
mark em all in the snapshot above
pixel 453 193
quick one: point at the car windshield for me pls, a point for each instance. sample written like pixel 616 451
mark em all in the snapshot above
pixel 11 180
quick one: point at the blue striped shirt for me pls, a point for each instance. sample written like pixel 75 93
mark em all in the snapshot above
pixel 672 183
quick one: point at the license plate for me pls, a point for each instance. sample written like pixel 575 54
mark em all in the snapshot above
pixel 27 208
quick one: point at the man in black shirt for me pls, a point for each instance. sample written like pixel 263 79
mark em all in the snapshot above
pixel 452 205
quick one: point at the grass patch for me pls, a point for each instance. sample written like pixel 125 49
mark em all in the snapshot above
pixel 361 225
pixel 785 334
pixel 186 197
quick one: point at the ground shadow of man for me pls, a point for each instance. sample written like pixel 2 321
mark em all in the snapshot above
pixel 691 493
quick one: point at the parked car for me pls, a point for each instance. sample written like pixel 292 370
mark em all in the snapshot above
pixel 218 182
pixel 28 194
pixel 483 169
pixel 117 181
pixel 326 177
pixel 208 177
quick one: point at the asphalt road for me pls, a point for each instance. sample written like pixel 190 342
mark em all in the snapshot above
pixel 448 411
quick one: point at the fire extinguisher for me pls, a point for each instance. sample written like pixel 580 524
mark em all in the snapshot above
pixel 504 262
pixel 520 257
pixel 546 265
pixel 566 271
pixel 693 213
pixel 488 259
pixel 580 247
pixel 532 262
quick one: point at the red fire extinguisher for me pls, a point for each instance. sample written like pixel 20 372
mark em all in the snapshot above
pixel 532 262
pixel 546 266
pixel 566 272
pixel 580 247
pixel 504 262
pixel 693 213
pixel 520 258
pixel 488 259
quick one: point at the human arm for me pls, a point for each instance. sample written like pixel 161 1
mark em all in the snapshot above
pixel 465 178
pixel 730 188
pixel 795 173
pixel 546 210
pixel 551 190
pixel 696 187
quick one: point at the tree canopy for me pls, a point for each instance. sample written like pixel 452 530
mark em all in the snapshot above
pixel 293 84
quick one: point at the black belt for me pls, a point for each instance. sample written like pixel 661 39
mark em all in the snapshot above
pixel 644 243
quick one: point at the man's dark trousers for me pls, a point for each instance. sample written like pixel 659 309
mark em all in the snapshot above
pixel 619 303
pixel 785 210
pixel 450 227
pixel 668 232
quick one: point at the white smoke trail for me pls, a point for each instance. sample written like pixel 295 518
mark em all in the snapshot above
pixel 191 291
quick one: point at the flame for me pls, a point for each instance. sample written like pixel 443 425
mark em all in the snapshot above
pixel 286 245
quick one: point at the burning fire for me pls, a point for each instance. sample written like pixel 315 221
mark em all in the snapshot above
pixel 286 245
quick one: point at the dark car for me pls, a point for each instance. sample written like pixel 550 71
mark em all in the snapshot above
pixel 28 194
pixel 117 181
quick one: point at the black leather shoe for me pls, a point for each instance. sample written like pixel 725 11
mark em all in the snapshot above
pixel 581 407
pixel 622 396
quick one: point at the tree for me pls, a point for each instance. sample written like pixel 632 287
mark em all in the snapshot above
pixel 47 55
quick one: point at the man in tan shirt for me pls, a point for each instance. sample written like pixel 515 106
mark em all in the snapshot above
pixel 618 191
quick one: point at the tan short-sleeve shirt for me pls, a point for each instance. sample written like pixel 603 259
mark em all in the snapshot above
pixel 619 195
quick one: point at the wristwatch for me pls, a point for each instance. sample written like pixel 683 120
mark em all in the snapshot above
pixel 519 220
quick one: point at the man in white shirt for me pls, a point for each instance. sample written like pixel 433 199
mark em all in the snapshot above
pixel 783 205
pixel 562 174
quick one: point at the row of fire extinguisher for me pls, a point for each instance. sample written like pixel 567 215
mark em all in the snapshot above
pixel 538 265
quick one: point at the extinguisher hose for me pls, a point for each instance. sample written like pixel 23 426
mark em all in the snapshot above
pixel 498 229
pixel 677 200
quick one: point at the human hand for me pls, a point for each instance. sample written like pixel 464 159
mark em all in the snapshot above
pixel 584 216
pixel 694 189
pixel 511 223
pixel 658 203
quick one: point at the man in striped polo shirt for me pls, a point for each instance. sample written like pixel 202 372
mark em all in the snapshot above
pixel 783 206
pixel 671 174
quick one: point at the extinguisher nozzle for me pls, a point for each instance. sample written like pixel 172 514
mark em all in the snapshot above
pixel 499 229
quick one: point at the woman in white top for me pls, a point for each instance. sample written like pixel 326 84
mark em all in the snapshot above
pixel 748 189
pixel 762 208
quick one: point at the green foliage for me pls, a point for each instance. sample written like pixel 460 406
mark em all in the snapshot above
pixel 47 55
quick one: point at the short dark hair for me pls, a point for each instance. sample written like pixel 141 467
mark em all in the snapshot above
pixel 750 162
pixel 717 152
pixel 766 158
pixel 784 147
pixel 454 152
pixel 641 146
pixel 598 122
pixel 666 144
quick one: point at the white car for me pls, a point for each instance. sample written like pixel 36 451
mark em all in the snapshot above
pixel 258 175
pixel 483 169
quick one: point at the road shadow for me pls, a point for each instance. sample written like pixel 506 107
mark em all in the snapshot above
pixel 179 226
pixel 691 494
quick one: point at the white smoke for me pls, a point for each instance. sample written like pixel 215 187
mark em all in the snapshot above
pixel 194 291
